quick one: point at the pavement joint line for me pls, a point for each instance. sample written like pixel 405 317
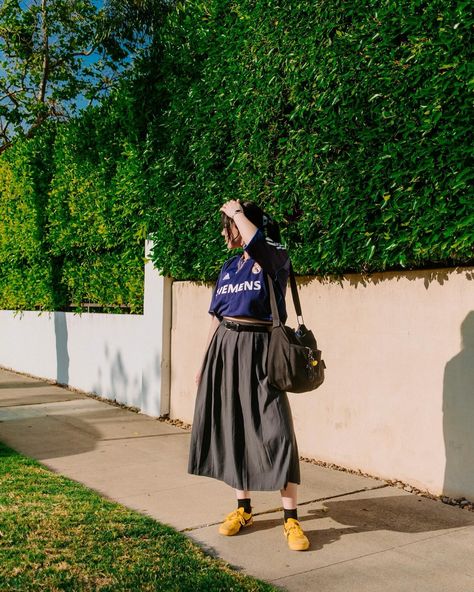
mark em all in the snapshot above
pixel 68 400
pixel 322 499
pixel 393 548
pixel 139 437
pixel 279 509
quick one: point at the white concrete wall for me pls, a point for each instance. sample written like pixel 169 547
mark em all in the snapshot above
pixel 398 400
pixel 124 358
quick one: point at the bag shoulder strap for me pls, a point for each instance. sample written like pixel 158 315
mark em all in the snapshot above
pixel 294 294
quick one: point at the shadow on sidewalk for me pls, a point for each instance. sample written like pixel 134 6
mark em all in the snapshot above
pixel 399 513
pixel 24 385
pixel 43 437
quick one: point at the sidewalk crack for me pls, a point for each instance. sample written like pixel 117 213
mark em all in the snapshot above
pixel 280 509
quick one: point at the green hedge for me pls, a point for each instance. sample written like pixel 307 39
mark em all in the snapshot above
pixel 347 120
pixel 27 272
pixel 350 122
pixel 96 211
pixel 74 201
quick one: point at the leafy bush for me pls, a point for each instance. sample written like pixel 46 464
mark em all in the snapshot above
pixel 348 121
pixel 27 278
pixel 96 211
pixel 74 215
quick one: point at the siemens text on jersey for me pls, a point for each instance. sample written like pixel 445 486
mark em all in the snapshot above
pixel 229 288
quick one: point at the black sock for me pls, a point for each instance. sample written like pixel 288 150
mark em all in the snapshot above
pixel 245 504
pixel 290 514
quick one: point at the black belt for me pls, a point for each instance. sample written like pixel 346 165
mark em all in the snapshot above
pixel 233 326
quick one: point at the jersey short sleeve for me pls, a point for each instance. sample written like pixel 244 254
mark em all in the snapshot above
pixel 272 256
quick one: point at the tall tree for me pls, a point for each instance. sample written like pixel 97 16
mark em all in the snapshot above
pixel 58 55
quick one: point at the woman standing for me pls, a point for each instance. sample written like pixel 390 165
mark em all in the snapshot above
pixel 243 430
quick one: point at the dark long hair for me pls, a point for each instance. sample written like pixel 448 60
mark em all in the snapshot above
pixel 258 217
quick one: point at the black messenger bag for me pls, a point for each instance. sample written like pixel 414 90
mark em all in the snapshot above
pixel 294 361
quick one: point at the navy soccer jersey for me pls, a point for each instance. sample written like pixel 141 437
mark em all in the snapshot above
pixel 241 289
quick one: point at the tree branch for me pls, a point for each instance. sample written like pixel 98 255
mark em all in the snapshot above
pixel 4 147
pixel 4 128
pixel 44 31
pixel 85 53
pixel 58 63
pixel 41 118
pixel 12 96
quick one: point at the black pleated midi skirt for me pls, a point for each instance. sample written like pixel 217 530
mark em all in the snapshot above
pixel 242 431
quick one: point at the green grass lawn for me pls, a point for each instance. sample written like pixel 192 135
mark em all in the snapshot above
pixel 56 534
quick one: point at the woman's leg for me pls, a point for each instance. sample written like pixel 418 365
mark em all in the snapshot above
pixel 297 540
pixel 243 500
pixel 240 517
pixel 242 493
pixel 289 496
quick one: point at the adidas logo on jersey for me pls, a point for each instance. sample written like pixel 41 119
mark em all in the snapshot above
pixel 226 277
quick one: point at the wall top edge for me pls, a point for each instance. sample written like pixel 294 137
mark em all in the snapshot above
pixel 439 275
pixel 84 315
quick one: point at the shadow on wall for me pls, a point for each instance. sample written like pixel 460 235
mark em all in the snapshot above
pixel 62 353
pixel 441 276
pixel 458 417
pixel 151 393
pixel 115 386
pixel 118 377
pixel 139 391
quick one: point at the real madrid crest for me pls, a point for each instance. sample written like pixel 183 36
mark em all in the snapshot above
pixel 256 268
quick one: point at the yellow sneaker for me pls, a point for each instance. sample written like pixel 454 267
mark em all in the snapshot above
pixel 295 537
pixel 235 521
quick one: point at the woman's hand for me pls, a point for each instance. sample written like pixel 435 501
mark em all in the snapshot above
pixel 231 207
pixel 234 210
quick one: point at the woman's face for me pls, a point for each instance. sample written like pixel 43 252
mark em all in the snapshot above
pixel 232 236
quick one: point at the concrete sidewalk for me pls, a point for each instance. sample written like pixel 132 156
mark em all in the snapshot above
pixel 365 536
